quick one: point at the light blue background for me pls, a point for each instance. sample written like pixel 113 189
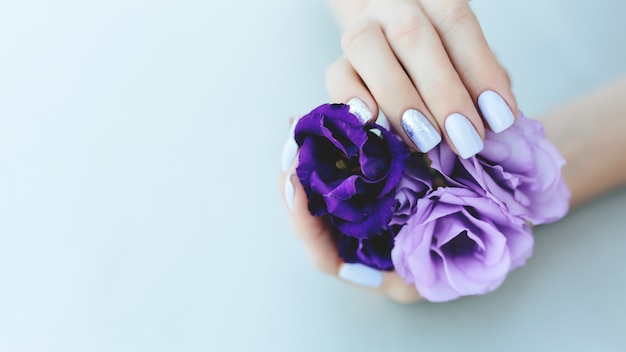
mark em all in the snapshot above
pixel 139 206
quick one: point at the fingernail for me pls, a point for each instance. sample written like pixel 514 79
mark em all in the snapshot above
pixel 290 192
pixel 360 110
pixel 496 111
pixel 290 150
pixel 361 275
pixel 463 135
pixel 420 130
pixel 382 121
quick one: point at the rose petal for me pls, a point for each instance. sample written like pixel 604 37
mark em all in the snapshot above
pixel 519 169
pixel 459 243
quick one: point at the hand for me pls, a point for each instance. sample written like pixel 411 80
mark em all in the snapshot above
pixel 318 241
pixel 427 66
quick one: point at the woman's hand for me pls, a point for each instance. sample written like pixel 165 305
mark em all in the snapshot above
pixel 427 66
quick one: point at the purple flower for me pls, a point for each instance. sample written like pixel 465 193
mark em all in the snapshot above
pixel 415 182
pixel 349 171
pixel 374 252
pixel 459 243
pixel 518 168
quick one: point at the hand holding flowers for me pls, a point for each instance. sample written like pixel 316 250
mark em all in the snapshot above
pixel 452 228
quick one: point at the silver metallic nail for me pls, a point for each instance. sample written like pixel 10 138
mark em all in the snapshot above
pixel 463 135
pixel 360 110
pixel 420 130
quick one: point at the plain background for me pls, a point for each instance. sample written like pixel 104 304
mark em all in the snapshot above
pixel 139 207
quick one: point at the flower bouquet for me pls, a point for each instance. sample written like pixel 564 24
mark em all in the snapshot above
pixel 451 226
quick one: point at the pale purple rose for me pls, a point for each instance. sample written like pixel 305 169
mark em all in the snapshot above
pixel 518 168
pixel 414 184
pixel 459 243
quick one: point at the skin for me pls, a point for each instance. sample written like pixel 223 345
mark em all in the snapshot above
pixel 582 130
pixel 384 65
pixel 379 42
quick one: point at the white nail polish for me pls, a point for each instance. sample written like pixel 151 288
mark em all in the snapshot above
pixel 290 150
pixel 361 274
pixel 463 135
pixel 290 192
pixel 495 111
pixel 360 110
pixel 420 130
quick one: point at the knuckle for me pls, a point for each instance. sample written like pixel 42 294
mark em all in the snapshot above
pixel 356 32
pixel 407 26
pixel 473 68
pixel 440 86
pixel 455 15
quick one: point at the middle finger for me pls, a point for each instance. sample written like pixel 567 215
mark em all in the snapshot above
pixel 419 49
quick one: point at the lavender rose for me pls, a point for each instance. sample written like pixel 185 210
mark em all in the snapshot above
pixel 349 171
pixel 459 243
pixel 414 184
pixel 518 168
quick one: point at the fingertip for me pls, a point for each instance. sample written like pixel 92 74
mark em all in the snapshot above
pixel 420 130
pixel 383 121
pixel 463 135
pixel 361 275
pixel 327 262
pixel 345 85
pixel 361 110
pixel 398 290
pixel 508 94
pixel 496 111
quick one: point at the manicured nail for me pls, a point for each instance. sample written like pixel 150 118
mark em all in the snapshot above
pixel 290 191
pixel 290 150
pixel 382 121
pixel 360 110
pixel 361 275
pixel 496 111
pixel 420 130
pixel 463 135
